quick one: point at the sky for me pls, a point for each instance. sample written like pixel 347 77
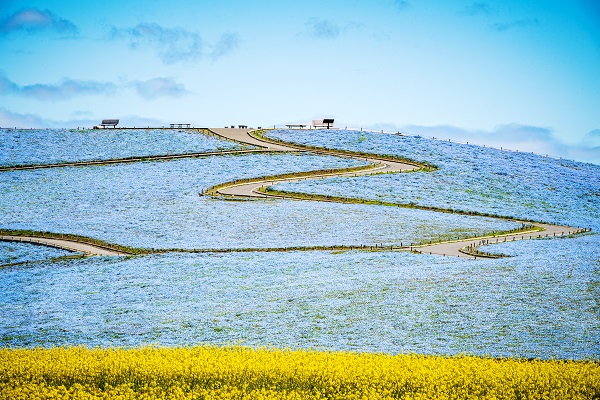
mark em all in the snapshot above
pixel 521 74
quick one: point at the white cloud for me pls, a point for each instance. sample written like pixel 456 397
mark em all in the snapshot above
pixel 175 45
pixel 520 23
pixel 8 86
pixel 592 138
pixel 82 114
pixel 34 20
pixel 66 89
pixel 226 44
pixel 159 87
pixel 402 4
pixel 10 119
pixel 324 29
pixel 71 88
pixel 478 8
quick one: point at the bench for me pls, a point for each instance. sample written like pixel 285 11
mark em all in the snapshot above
pixel 291 126
pixel 322 123
pixel 109 122
pixel 243 126
pixel 180 125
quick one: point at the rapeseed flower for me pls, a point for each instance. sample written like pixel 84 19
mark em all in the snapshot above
pixel 235 372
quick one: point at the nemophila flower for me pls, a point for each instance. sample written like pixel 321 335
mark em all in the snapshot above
pixel 158 204
pixel 13 253
pixel 527 306
pixel 540 303
pixel 48 146
pixel 469 178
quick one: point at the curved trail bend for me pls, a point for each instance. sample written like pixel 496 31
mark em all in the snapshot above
pixel 65 244
pixel 250 190
pixel 451 248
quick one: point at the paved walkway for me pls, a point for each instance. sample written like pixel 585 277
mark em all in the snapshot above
pixel 241 135
pixel 251 189
pixel 70 245
pixel 379 166
pixel 453 248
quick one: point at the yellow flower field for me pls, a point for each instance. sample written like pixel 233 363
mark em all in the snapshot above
pixel 208 372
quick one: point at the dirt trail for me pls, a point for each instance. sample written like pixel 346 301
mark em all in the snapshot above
pixel 453 248
pixel 251 189
pixel 241 135
pixel 379 166
pixel 70 245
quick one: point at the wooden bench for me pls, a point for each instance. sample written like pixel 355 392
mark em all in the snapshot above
pixel 180 125
pixel 109 122
pixel 291 126
pixel 322 123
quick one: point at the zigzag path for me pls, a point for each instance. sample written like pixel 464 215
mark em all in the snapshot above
pixel 459 248
pixel 66 244
pixel 250 189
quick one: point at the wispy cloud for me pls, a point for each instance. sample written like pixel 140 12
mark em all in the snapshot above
pixel 592 140
pixel 174 45
pixel 517 24
pixel 402 4
pixel 82 114
pixel 324 29
pixel 8 86
pixel 10 119
pixel 159 87
pixel 34 20
pixel 478 8
pixel 71 88
pixel 589 148
pixel 225 45
pixel 66 89
pixel 381 36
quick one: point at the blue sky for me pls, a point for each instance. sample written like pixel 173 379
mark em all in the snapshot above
pixel 523 75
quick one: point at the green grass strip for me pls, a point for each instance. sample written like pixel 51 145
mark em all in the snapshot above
pixel 126 160
pixel 74 238
pixel 351 200
pixel 423 166
pixel 213 190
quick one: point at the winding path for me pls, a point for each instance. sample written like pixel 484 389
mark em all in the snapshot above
pixel 450 248
pixel 453 248
pixel 65 244
pixel 251 190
